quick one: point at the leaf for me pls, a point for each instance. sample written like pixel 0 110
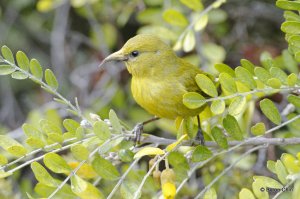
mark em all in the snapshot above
pixel 80 152
pixel 42 175
pixel 128 189
pixel 6 69
pixel 260 185
pixel 105 169
pixel 258 129
pixel 219 137
pixel 288 5
pixel 270 111
pixel 56 163
pixel 237 105
pixel 224 68
pixel 245 77
pixel 19 75
pixel 101 130
pixel 148 151
pixel 3 160
pixel 232 127
pixel 51 79
pixel 290 163
pixel 193 100
pixel 210 194
pixel 262 74
pixel 189 41
pixel 279 74
pixel 175 18
pixel 71 125
pixel 293 99
pixel 7 54
pixel 246 194
pixel 125 155
pixel 115 122
pixel 266 60
pixel 48 127
pixel 170 147
pixel 271 166
pixel 4 174
pixel 201 22
pixel 36 69
pixel 84 189
pixel 12 146
pixel 195 5
pixel 274 83
pixel 206 85
pixel 35 142
pixel 201 153
pixel 288 59
pixel 292 27
pixel 247 65
pixel 227 83
pixel 86 171
pixel 292 79
pixel 177 160
pixel 22 60
pixel 217 107
pixel 281 172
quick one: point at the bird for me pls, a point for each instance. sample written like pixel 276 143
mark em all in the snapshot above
pixel 159 78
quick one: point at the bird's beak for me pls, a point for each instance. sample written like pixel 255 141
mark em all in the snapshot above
pixel 116 56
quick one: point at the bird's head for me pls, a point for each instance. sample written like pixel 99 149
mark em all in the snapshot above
pixel 144 55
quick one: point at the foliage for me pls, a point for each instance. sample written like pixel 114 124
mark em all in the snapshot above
pixel 90 157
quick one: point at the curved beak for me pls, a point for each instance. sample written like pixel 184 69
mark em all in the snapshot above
pixel 116 56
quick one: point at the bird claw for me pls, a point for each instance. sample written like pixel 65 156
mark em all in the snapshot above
pixel 137 131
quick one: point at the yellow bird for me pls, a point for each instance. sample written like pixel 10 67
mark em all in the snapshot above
pixel 159 77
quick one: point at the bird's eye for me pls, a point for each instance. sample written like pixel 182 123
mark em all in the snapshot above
pixel 135 53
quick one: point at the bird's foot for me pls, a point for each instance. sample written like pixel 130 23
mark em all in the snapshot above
pixel 137 131
pixel 199 137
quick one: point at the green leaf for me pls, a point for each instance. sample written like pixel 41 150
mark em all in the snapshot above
pixel 31 131
pixel 189 41
pixel 296 190
pixel 71 125
pixel 274 83
pixel 42 175
pixel 217 107
pixel 279 74
pixel 80 152
pixel 288 59
pixel 271 166
pixel 175 18
pixel 101 129
pixel 224 68
pixel 4 174
pixel 55 137
pixel 295 100
pixel 232 127
pixel 6 69
pixel 210 194
pixel 148 151
pixel 201 22
pixel 49 127
pixel 262 74
pixel 7 54
pixel 193 100
pixel 288 5
pixel 201 153
pixel 291 16
pixel 247 65
pixel 245 77
pixel 84 189
pixel 266 60
pixel 125 155
pixel 246 194
pixel 270 111
pixel 44 191
pixel 22 60
pixel 35 142
pixel 105 169
pixel 227 83
pixel 281 172
pixel 19 75
pixel 12 146
pixel 36 68
pixel 260 185
pixel 56 163
pixel 290 163
pixel 237 106
pixel 115 122
pixel 219 137
pixel 206 85
pixel 177 160
pixel 258 129
pixel 128 189
pixel 3 160
pixel 292 27
pixel 292 79
pixel 51 79
pixel 195 5
pixel 80 133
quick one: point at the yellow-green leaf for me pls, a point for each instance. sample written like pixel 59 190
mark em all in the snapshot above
pixel 193 100
pixel 206 85
pixel 7 54
pixel 101 129
pixel 42 175
pixel 84 189
pixel 170 147
pixel 237 105
pixel 201 22
pixel 148 151
pixel 115 122
pixel 258 129
pixel 210 194
pixel 295 100
pixel 279 74
pixel 262 74
pixel 51 79
pixel 292 27
pixel 245 77
pixel 246 194
pixel 175 18
pixel 80 152
pixel 247 65
pixel 270 111
pixel 288 5
pixel 12 146
pixel 281 172
pixel 48 126
pixel 22 60
pixel 19 75
pixel 274 83
pixel 36 69
pixel 224 68
pixel 290 163
pixel 193 4
pixel 232 127
pixel 71 125
pixel 56 163
pixel 3 160
pixel 189 41
pixel 6 69
pixel 217 107
pixel 227 82
pixel 260 185
pixel 292 79
pixel 105 168
pixel 219 137
pixel 201 153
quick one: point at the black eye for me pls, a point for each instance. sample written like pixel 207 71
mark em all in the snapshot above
pixel 135 53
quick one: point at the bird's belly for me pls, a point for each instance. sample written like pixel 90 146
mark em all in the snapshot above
pixel 161 98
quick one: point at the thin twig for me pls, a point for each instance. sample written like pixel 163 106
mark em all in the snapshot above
pixel 228 169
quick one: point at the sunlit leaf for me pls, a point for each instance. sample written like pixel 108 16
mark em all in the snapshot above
pixel 245 77
pixel 105 168
pixel 19 75
pixel 22 60
pixel 193 4
pixel 6 69
pixel 56 163
pixel 36 69
pixel 274 83
pixel 79 152
pixel 12 146
pixel 247 65
pixel 281 172
pixel 84 189
pixel 232 127
pixel 295 100
pixel 279 74
pixel 51 79
pixel 7 54
pixel 148 151
pixel 189 41
pixel 210 194
pixel 246 194
pixel 227 82
pixel 225 68
pixel 206 85
pixel 270 111
pixel 86 171
pixel 170 147
pixel 175 18
pixel 71 125
pixel 193 100
pixel 258 129
pixel 42 175
pixel 217 107
pixel 237 105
